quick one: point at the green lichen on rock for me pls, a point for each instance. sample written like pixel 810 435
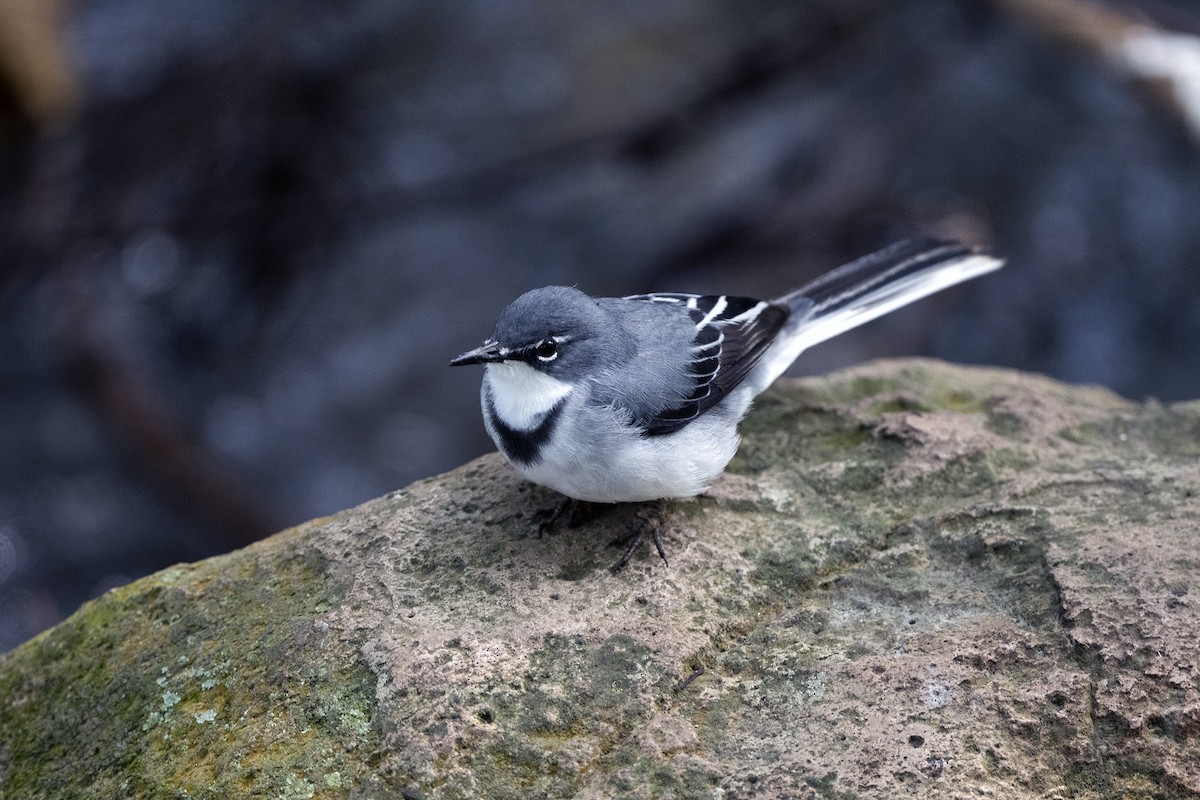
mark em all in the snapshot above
pixel 215 679
pixel 915 580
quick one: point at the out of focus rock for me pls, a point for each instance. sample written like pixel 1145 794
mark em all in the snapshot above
pixel 916 580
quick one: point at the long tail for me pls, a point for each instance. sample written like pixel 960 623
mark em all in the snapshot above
pixel 862 290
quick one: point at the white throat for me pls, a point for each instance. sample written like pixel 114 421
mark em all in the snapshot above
pixel 521 394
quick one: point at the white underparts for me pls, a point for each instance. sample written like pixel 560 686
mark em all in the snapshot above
pixel 521 394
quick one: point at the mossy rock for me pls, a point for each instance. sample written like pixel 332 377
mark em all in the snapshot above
pixel 915 580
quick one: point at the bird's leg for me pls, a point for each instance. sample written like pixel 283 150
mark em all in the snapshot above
pixel 571 511
pixel 649 520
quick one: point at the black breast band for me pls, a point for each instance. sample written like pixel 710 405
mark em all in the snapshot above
pixel 523 446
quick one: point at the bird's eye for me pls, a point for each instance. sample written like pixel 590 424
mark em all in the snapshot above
pixel 546 350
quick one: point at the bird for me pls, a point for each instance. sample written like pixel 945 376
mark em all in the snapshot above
pixel 638 398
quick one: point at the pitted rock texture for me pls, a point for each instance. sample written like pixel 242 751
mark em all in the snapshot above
pixel 916 580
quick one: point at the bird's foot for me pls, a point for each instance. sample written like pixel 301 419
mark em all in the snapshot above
pixel 570 513
pixel 649 520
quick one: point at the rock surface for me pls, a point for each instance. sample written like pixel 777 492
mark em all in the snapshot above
pixel 916 580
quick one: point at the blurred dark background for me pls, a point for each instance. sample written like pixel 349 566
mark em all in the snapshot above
pixel 240 241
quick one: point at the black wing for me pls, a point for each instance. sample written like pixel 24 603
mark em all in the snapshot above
pixel 732 333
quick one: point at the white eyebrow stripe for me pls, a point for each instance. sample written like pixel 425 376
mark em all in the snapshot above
pixel 717 308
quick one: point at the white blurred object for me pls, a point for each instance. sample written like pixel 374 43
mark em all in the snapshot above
pixel 1149 54
pixel 1163 63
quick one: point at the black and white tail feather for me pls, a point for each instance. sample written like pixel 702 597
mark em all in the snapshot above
pixel 868 288
pixel 740 340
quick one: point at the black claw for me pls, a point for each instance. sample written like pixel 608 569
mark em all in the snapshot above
pixel 658 546
pixel 570 513
pixel 649 520
pixel 634 539
pixel 568 508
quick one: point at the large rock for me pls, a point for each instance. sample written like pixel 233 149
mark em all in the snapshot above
pixel 916 580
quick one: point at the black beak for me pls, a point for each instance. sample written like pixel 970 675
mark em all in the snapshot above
pixel 488 353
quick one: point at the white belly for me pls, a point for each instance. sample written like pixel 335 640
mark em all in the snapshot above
pixel 593 454
pixel 624 467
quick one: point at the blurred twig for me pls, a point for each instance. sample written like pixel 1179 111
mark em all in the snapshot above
pixel 138 412
pixel 1163 64
pixel 32 61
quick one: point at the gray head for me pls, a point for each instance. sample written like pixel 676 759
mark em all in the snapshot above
pixel 557 330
